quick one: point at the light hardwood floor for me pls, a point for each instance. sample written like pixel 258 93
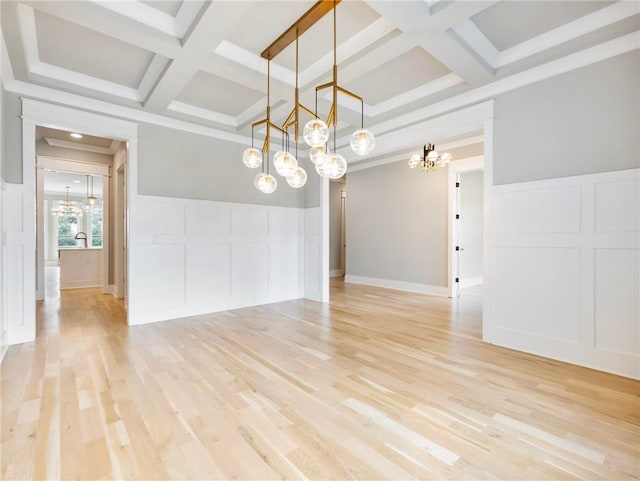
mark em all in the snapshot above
pixel 380 385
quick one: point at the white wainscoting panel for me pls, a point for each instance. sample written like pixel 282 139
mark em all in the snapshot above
pixel 20 305
pixel 209 266
pixel 555 209
pixel 250 273
pixel 191 257
pixel 617 304
pixel 610 196
pixel 564 270
pixel 535 303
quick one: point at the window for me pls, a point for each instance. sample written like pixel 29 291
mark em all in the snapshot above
pixel 67 229
pixel 96 228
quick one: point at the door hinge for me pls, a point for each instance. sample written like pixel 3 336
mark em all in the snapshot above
pixel 457 184
pixel 457 248
pixel 457 216
pixel 457 279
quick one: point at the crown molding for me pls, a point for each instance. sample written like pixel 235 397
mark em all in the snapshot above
pixel 65 144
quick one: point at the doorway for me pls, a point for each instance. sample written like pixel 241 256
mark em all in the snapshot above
pixel 466 226
pixel 469 232
pixel 75 212
pixel 72 231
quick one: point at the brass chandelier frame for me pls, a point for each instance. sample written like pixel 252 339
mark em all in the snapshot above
pixel 306 21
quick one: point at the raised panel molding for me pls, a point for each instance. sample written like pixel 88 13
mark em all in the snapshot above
pixel 617 300
pixel 538 300
pixel 563 275
pixel 617 206
pixel 540 210
pixel 213 256
pixel 20 308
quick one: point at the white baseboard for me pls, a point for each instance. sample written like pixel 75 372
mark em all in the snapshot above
pixel 399 285
pixel 472 281
pixel 336 273
pixel 108 289
pixel 80 284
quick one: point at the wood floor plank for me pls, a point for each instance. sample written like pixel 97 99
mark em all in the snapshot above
pixel 379 384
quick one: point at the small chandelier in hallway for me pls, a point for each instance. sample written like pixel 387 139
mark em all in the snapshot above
pixel 430 160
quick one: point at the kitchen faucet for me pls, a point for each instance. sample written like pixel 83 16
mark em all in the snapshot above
pixel 83 236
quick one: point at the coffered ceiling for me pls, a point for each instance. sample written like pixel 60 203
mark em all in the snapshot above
pixel 198 62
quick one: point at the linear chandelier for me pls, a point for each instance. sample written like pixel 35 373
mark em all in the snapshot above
pixel 328 164
pixel 430 159
pixel 67 207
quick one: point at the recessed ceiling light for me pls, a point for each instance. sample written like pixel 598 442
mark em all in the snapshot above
pixel 76 181
pixel 76 136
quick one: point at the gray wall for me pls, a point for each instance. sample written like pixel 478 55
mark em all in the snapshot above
pixel 471 201
pixel 11 138
pixel 471 150
pixel 582 122
pixel 397 224
pixel 335 224
pixel 173 163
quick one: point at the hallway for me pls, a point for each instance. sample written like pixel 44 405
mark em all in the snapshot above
pixel 380 384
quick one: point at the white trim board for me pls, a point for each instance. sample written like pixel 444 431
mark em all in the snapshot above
pixel 440 291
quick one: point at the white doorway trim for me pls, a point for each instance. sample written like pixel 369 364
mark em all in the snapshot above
pixel 36 113
pixel 456 168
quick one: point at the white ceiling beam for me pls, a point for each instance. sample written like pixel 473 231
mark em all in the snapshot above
pixel 144 14
pixel 187 15
pixel 581 26
pixel 611 48
pixel 210 30
pixel 431 32
pixel 13 61
pixel 94 17
pixel 474 38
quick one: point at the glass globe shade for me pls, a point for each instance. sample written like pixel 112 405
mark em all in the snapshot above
pixel 286 164
pixel 335 166
pixel 362 141
pixel 414 161
pixel 277 157
pixel 265 183
pixel 315 133
pixel 315 152
pixel 432 156
pixel 252 158
pixel 298 178
pixel 446 158
pixel 321 160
